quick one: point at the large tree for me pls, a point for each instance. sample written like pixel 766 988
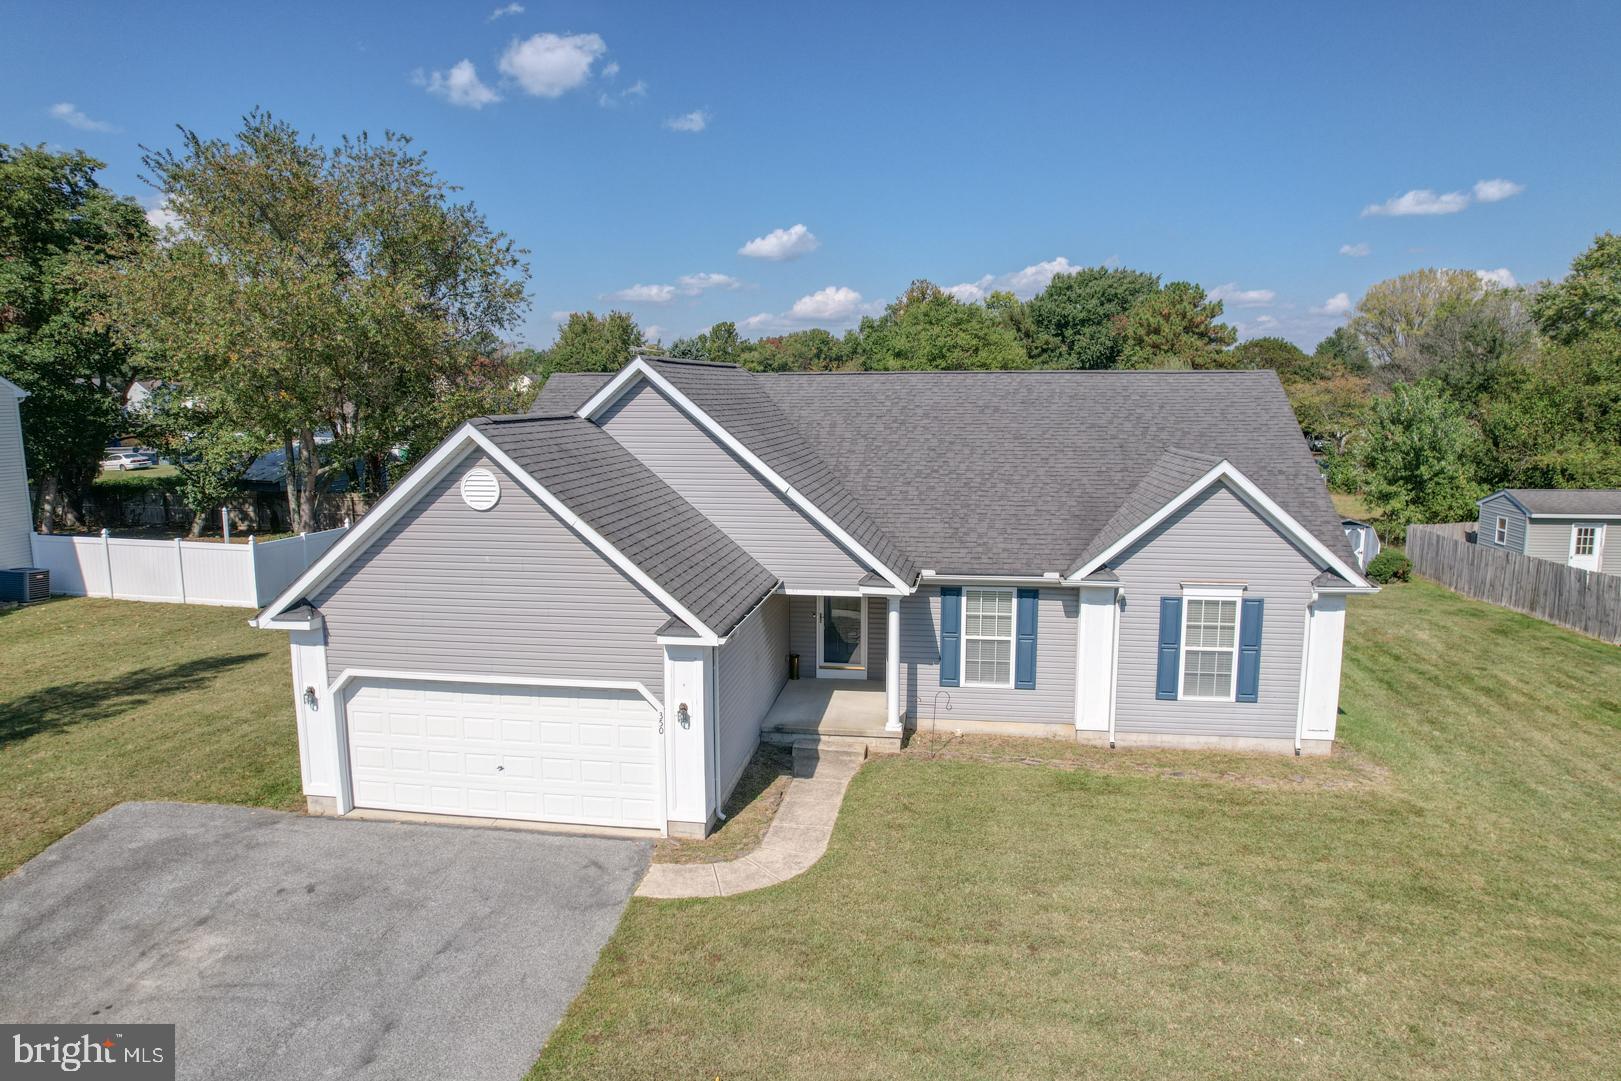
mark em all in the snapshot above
pixel 308 288
pixel 589 342
pixel 1073 321
pixel 1556 423
pixel 720 343
pixel 813 350
pixel 1174 327
pixel 929 328
pixel 1393 315
pixel 1419 456
pixel 1588 300
pixel 1291 362
pixel 57 224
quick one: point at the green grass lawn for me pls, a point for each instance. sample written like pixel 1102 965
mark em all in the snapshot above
pixel 1443 900
pixel 107 701
pixel 151 477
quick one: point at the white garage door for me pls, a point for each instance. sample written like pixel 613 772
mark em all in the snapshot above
pixel 550 754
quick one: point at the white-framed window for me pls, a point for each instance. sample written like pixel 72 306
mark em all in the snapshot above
pixel 987 637
pixel 1501 533
pixel 1210 619
pixel 1585 540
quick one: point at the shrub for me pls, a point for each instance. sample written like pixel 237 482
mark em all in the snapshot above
pixel 1390 566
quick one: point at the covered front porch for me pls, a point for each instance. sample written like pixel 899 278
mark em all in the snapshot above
pixel 849 654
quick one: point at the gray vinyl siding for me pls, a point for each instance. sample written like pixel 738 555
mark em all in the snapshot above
pixel 707 475
pixel 507 591
pixel 802 634
pixel 1216 537
pixel 1486 527
pixel 16 516
pixel 1549 538
pixel 1052 701
pixel 750 670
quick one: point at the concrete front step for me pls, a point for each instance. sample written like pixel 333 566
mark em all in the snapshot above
pixel 879 742
pixel 812 754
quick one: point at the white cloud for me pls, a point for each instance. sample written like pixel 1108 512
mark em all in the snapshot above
pixel 693 122
pixel 509 9
pixel 1355 250
pixel 1230 293
pixel 781 244
pixel 550 65
pixel 1336 305
pixel 160 217
pixel 1495 191
pixel 561 315
pixel 1418 201
pixel 1024 283
pixel 644 294
pixel 1426 201
pixel 460 85
pixel 637 89
pixel 688 285
pixel 610 69
pixel 74 117
pixel 653 332
pixel 610 100
pixel 834 304
pixel 1502 277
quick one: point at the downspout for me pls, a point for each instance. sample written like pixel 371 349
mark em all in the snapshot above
pixel 711 716
pixel 1114 664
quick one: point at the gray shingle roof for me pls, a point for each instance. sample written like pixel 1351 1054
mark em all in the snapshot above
pixel 1016 472
pixel 1169 477
pixel 619 497
pixel 1572 501
pixel 565 392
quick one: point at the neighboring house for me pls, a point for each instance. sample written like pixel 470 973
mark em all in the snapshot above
pixel 584 615
pixel 1564 525
pixel 1363 540
pixel 16 513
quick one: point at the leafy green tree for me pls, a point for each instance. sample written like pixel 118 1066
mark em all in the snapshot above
pixel 1393 315
pixel 1418 455
pixel 720 343
pixel 309 288
pixel 1556 423
pixel 56 224
pixel 1468 346
pixel 1175 327
pixel 1344 349
pixel 1281 355
pixel 813 350
pixel 1333 408
pixel 1588 300
pixel 1073 322
pixel 927 328
pixel 209 455
pixel 592 343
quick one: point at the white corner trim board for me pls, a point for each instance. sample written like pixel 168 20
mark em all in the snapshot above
pixel 400 498
pixel 639 369
pixel 1259 500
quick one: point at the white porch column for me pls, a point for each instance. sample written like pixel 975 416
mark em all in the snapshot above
pixel 1325 643
pixel 689 783
pixel 892 669
pixel 320 736
pixel 1095 648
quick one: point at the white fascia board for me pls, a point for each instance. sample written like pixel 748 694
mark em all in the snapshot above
pixel 399 499
pixel 1259 500
pixel 1574 519
pixel 881 591
pixel 1345 591
pixel 282 623
pixel 1052 580
pixel 349 675
pixel 640 369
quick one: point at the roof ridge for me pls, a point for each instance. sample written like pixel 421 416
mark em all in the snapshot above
pixel 1096 372
pixel 693 362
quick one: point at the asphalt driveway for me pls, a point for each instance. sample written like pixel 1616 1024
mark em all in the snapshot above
pixel 292 947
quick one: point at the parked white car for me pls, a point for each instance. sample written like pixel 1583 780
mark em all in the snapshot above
pixel 126 458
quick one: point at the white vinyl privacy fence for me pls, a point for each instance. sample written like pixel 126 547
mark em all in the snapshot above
pixel 178 571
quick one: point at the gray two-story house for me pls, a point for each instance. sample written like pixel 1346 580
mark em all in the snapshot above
pixel 593 614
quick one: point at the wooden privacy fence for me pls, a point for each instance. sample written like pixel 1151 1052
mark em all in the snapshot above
pixel 178 571
pixel 1585 601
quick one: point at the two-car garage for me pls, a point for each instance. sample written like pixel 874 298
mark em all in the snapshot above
pixel 574 755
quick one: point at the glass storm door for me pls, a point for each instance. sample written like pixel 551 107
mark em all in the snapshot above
pixel 1586 542
pixel 842 644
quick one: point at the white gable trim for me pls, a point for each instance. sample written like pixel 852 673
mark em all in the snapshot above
pixel 639 369
pixel 1259 500
pixel 403 496
pixel 1504 493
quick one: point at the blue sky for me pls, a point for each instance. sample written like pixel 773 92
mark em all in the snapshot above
pixel 647 145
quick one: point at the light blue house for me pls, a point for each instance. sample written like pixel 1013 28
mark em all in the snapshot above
pixel 587 615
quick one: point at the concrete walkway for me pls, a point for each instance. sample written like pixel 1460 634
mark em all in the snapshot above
pixel 795 840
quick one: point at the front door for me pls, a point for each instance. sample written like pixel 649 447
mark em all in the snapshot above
pixel 841 649
pixel 1586 546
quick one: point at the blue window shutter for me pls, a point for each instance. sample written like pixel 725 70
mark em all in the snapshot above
pixel 1024 644
pixel 1249 651
pixel 1170 647
pixel 950 634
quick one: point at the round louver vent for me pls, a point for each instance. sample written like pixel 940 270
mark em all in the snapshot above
pixel 480 489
